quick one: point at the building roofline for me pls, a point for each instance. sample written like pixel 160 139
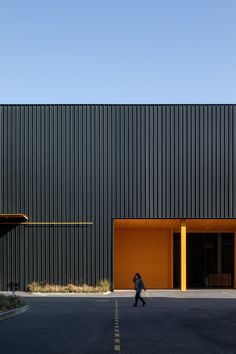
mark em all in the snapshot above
pixel 116 104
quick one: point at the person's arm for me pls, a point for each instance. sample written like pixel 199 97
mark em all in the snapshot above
pixel 144 288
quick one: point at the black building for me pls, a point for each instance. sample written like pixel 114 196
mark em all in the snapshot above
pixel 99 191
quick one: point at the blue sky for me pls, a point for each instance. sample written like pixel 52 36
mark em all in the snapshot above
pixel 126 51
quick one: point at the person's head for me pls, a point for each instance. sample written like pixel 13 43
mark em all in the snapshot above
pixel 137 276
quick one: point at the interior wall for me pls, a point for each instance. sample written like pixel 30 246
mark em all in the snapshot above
pixel 149 252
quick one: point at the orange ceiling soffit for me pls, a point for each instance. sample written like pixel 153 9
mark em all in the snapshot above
pixel 211 225
pixel 148 224
pixel 192 225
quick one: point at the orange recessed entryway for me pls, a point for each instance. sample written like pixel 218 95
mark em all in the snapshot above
pixel 146 246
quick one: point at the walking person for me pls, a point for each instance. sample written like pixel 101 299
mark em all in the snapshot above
pixel 139 286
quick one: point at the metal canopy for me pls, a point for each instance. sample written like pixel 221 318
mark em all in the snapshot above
pixel 15 218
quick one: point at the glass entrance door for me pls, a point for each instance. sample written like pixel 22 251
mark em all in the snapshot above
pixel 203 260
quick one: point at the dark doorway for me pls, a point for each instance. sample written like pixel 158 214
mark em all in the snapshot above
pixel 203 260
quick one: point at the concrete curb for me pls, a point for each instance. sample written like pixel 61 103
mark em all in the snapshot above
pixel 13 312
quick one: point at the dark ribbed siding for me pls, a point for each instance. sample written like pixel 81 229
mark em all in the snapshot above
pixel 95 163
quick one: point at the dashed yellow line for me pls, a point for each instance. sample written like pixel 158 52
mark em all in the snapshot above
pixel 117 329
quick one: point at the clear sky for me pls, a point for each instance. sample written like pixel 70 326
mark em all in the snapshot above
pixel 117 51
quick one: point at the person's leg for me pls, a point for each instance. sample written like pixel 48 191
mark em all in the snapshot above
pixel 141 299
pixel 136 299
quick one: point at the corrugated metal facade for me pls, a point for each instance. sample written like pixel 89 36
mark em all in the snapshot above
pixel 98 162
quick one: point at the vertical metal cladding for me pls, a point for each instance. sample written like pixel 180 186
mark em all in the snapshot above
pixel 98 162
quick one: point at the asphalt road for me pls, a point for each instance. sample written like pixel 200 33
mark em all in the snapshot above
pixel 90 325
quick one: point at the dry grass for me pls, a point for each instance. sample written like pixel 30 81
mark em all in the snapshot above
pixel 43 287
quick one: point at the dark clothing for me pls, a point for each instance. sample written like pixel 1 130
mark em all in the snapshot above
pixel 138 297
pixel 139 286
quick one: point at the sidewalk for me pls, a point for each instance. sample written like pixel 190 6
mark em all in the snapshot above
pixel 193 294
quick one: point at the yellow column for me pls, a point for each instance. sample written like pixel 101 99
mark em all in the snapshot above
pixel 235 259
pixel 183 280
